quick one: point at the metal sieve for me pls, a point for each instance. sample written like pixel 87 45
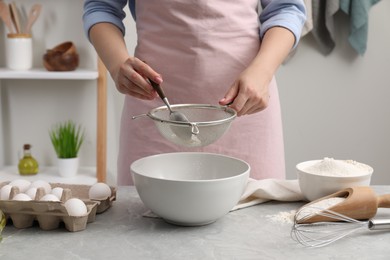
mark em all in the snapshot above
pixel 206 123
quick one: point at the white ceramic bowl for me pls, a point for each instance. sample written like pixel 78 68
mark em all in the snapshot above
pixel 190 189
pixel 315 186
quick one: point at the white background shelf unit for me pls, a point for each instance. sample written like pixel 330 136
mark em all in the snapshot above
pixel 48 94
pixel 85 175
pixel 79 74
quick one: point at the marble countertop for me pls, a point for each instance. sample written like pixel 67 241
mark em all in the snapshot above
pixel 123 232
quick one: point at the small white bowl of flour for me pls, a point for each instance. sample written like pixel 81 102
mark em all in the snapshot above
pixel 319 178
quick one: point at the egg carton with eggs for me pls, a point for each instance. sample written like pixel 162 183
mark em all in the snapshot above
pixel 49 204
pixel 101 193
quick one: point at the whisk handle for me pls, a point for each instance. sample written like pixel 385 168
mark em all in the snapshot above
pixel 379 224
pixel 384 201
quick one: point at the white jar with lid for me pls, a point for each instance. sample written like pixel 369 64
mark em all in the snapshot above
pixel 19 51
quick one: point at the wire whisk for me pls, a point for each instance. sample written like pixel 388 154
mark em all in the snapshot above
pixel 319 234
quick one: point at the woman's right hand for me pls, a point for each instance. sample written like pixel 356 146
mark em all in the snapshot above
pixel 131 76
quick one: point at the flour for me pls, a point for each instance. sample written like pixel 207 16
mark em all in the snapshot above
pixel 287 217
pixel 338 168
pixel 316 207
pixel 284 217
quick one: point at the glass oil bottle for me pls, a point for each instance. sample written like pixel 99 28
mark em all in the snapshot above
pixel 28 165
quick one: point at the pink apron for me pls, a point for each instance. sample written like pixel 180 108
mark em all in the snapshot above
pixel 200 47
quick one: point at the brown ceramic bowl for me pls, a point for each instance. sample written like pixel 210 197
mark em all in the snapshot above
pixel 63 57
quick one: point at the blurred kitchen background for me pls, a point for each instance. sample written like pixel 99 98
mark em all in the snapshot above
pixel 333 105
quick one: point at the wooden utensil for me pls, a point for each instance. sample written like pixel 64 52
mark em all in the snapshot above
pixel 15 17
pixel 360 203
pixel 32 17
pixel 6 17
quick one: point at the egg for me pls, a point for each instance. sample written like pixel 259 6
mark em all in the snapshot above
pixel 32 192
pixel 22 184
pixel 76 207
pixel 99 191
pixel 5 192
pixel 21 197
pixel 57 191
pixel 40 183
pixel 50 197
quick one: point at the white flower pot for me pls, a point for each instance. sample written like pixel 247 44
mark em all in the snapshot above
pixel 68 167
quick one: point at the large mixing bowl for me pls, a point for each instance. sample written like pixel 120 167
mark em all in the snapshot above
pixel 190 189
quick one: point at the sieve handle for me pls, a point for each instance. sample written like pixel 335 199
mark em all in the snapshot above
pixel 161 93
pixel 158 89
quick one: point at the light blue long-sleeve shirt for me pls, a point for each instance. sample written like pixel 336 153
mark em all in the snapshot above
pixel 290 14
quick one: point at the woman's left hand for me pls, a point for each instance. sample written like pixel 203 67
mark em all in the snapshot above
pixel 249 93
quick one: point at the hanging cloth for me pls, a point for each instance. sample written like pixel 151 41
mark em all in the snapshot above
pixel 358 18
pixel 323 24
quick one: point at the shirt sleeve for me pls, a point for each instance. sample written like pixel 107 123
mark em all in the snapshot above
pixel 100 11
pixel 290 14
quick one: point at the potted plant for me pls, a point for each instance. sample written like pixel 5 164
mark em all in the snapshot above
pixel 67 138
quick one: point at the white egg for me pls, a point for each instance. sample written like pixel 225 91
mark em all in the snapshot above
pixel 57 191
pixel 5 192
pixel 40 183
pixel 21 184
pixel 32 192
pixel 76 207
pixel 99 191
pixel 21 197
pixel 49 197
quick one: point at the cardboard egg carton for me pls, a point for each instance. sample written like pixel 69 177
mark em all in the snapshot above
pixel 81 192
pixel 49 214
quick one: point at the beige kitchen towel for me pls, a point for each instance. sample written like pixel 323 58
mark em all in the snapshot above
pixel 260 191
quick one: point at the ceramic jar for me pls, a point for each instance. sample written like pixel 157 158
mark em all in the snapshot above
pixel 19 51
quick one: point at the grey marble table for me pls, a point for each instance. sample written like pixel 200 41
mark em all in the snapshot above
pixel 123 232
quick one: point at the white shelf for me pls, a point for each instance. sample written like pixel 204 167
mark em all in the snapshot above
pixel 85 175
pixel 41 73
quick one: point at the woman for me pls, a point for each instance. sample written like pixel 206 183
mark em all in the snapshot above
pixel 202 52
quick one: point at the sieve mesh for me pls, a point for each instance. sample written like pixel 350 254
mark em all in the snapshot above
pixel 212 122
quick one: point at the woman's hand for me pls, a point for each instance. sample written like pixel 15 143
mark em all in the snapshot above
pixel 130 74
pixel 249 93
pixel 131 78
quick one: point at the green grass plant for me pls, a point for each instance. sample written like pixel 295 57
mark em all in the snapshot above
pixel 2 222
pixel 67 139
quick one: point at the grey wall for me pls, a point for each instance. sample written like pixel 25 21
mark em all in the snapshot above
pixel 337 105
